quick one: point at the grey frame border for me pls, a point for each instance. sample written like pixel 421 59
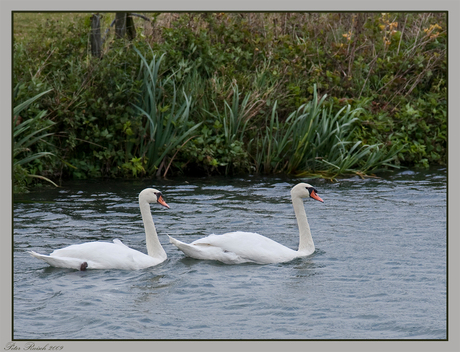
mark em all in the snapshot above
pixel 452 6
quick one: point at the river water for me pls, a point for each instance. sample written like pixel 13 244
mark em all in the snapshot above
pixel 379 270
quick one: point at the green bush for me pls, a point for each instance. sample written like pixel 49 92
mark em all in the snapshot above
pixel 92 99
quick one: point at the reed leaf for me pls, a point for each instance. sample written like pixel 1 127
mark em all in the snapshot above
pixel 19 108
pixel 31 158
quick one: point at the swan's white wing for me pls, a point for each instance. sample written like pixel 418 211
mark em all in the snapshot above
pixel 118 242
pixel 237 247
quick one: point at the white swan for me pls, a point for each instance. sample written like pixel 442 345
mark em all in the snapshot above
pixel 116 255
pixel 242 247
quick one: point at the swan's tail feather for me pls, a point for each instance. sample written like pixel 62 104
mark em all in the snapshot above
pixel 38 255
pixel 178 243
pixel 61 262
pixel 188 249
pixel 172 240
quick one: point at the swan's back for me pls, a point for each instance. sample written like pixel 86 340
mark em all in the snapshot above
pixel 237 247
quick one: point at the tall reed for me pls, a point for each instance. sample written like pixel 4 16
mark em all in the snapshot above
pixel 272 145
pixel 25 136
pixel 234 120
pixel 167 122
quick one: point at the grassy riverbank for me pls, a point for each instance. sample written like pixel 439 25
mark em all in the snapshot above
pixel 226 93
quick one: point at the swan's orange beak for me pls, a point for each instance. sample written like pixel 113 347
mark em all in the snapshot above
pixel 161 201
pixel 315 196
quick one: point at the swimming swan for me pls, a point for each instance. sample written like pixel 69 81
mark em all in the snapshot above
pixel 116 255
pixel 242 247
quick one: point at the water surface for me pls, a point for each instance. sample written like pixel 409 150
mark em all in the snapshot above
pixel 379 270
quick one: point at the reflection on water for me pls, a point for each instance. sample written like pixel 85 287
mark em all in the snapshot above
pixel 379 270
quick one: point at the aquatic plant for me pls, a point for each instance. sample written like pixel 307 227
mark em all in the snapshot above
pixel 233 121
pixel 25 136
pixel 167 122
pixel 272 145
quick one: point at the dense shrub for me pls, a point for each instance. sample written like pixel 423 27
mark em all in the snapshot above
pixel 92 99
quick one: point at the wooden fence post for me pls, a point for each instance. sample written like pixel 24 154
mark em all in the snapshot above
pixel 130 29
pixel 95 38
pixel 120 24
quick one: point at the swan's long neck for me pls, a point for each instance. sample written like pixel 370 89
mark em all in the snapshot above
pixel 154 248
pixel 305 240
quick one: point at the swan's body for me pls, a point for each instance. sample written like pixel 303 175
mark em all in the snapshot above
pixel 242 247
pixel 116 255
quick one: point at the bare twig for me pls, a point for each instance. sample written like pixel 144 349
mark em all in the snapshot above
pixel 402 34
pixel 44 64
pixel 177 151
pixel 371 65
pixel 140 16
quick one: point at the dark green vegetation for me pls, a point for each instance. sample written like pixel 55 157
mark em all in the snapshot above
pixel 226 93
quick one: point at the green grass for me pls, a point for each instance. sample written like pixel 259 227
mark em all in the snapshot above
pixel 26 23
